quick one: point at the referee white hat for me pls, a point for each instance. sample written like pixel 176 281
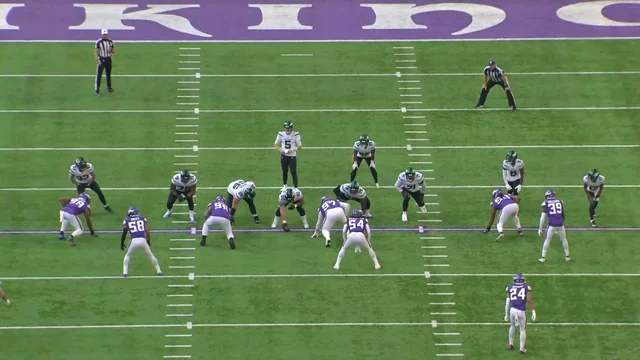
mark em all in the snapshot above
pixel 105 32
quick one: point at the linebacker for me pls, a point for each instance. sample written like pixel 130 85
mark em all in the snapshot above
pixel 293 199
pixel 593 185
pixel 553 209
pixel 242 190
pixel 83 176
pixel 513 173
pixel 137 226
pixel 494 75
pixel 364 149
pixel 288 142
pixel 357 233
pixel 353 191
pixel 183 187
pixel 411 183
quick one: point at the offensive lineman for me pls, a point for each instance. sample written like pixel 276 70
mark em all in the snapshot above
pixel 411 183
pixel 364 149
pixel 515 310
pixel 356 232
pixel 294 199
pixel 329 213
pixel 593 185
pixel 288 142
pixel 83 176
pixel 242 190
pixel 353 191
pixel 71 208
pixel 183 187
pixel 513 173
pixel 218 213
pixel 508 207
pixel 138 227
pixel 554 209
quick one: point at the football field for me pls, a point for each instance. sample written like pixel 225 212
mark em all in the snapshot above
pixel 215 109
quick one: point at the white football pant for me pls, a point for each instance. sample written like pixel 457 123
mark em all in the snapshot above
pixel 358 240
pixel 223 223
pixel 518 317
pixel 333 216
pixel 67 219
pixel 562 233
pixel 139 244
pixel 509 211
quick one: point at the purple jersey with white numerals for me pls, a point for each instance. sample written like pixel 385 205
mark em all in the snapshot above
pixel 555 210
pixel 220 210
pixel 76 206
pixel 357 225
pixel 517 294
pixel 328 205
pixel 500 202
pixel 136 226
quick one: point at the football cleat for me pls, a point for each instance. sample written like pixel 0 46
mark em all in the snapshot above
pixel 520 233
pixel 593 224
pixel 192 219
pixel 377 267
pixel 71 242
pixel 160 273
pixel 61 236
pixel 510 347
pixel 336 267
pixel 377 186
pixel 541 260
pixel 125 276
pixel 327 243
pixel 167 214
pixel 500 236
pixel 111 90
pixel 567 258
pixel 523 351
pixel 203 242
pixel 232 244
pixel 423 209
pixel 285 227
pixel 404 217
pixel 256 219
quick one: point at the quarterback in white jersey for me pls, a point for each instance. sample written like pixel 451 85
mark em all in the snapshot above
pixel 288 142
pixel 83 176
pixel 242 190
pixel 183 187
pixel 364 149
pixel 353 191
pixel 329 213
pixel 593 185
pixel 411 184
pixel 3 296
pixel 356 232
pixel 293 199
pixel 513 173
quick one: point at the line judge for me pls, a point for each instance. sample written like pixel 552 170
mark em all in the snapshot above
pixel 104 50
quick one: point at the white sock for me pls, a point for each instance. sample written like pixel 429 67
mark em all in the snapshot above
pixel 326 234
pixel 304 221
pixel 565 246
pixel 523 338
pixel 276 220
pixel 168 211
pixel 499 227
pixel 545 247
pixel 205 229
pixel 191 213
pixel 372 255
pixel 155 264
pixel 516 220
pixel 512 333
pixel 125 264
pixel 76 232
pixel 340 256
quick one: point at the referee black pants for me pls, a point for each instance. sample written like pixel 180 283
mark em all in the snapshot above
pixel 289 162
pixel 485 92
pixel 105 65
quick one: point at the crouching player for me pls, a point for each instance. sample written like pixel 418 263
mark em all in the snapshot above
pixel 356 232
pixel 242 190
pixel 353 191
pixel 518 295
pixel 329 213
pixel 593 185
pixel 508 207
pixel 3 296
pixel 291 197
pixel 71 208
pixel 137 227
pixel 554 209
pixel 411 184
pixel 218 214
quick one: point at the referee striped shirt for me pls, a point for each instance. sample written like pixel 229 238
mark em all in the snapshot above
pixel 104 46
pixel 496 75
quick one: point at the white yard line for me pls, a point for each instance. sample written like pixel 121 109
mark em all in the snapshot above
pixel 258 148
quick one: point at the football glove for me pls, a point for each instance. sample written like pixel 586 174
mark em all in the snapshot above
pixel 286 227
pixel 508 187
pixel 233 221
pixel 506 318
pixel 533 315
pixel 486 231
pixel 292 206
pixel 123 246
pixel 354 166
pixel 519 188
pixel 539 232
pixel 372 165
pixel 93 234
pixel 315 234
pixel 181 198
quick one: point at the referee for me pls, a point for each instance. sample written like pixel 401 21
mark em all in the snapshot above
pixel 494 75
pixel 103 51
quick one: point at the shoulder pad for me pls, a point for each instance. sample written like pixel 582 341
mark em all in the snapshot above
pixel 355 145
pixel 419 175
pixel 601 178
pixel 402 176
pixel 520 162
pixel 296 133
pixel 585 179
pixel 372 143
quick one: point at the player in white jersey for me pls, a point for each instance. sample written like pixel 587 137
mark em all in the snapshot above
pixel 353 191
pixel 293 199
pixel 357 233
pixel 83 176
pixel 288 142
pixel 3 296
pixel 411 184
pixel 242 190
pixel 513 173
pixel 593 185
pixel 364 149
pixel 183 187
pixel 329 213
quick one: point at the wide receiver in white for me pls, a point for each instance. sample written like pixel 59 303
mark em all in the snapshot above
pixel 329 213
pixel 513 173
pixel 293 199
pixel 356 232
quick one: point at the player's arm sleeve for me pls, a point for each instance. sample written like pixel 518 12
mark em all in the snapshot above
pixel 507 306
pixel 398 185
pixel 543 218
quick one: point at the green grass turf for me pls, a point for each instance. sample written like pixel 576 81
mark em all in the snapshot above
pixel 319 299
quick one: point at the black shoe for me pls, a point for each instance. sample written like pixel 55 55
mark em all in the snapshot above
pixel 203 242
pixel 327 243
pixel 71 242
pixel 479 106
pixel 108 209
pixel 593 224
pixel 112 91
pixel 97 92
pixel 520 233
pixel 256 219
pixel 232 244
pixel 514 108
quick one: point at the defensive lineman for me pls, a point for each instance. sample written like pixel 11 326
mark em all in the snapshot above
pixel 364 149
pixel 288 142
pixel 138 227
pixel 183 187
pixel 83 176
pixel 71 209
pixel 508 207
pixel 329 213
pixel 356 232
pixel 294 199
pixel 353 191
pixel 593 185
pixel 411 183
pixel 218 214
pixel 3 296
pixel 513 173
pixel 554 209
pixel 242 190
pixel 515 310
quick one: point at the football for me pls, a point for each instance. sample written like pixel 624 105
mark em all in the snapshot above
pixel 286 227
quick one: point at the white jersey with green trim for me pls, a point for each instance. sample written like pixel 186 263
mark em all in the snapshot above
pixel 415 185
pixel 181 186
pixel 239 188
pixel 345 189
pixel 593 186
pixel 81 176
pixel 511 172
pixel 289 142
pixel 282 198
pixel 364 150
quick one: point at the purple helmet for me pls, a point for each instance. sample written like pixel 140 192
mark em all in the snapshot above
pixel 133 211
pixel 357 213
pixel 86 197
pixel 550 194
pixel 324 199
pixel 518 279
pixel 219 199
pixel 497 193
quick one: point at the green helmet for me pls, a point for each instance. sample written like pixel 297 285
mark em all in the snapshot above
pixel 593 174
pixel 512 156
pixel 355 187
pixel 364 139
pixel 288 127
pixel 185 175
pixel 410 173
pixel 80 163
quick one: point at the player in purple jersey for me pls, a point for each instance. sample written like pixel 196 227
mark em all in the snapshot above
pixel 71 209
pixel 553 209
pixel 329 213
pixel 518 296
pixel 218 213
pixel 3 296
pixel 137 227
pixel 508 207
pixel 356 232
